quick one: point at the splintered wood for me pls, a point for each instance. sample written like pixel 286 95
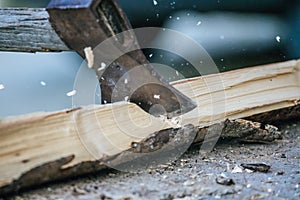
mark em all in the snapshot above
pixel 42 147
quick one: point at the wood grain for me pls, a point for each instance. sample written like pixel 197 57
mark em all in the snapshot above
pixel 28 30
pixel 101 131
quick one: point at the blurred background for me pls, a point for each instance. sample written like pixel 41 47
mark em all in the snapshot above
pixel 236 34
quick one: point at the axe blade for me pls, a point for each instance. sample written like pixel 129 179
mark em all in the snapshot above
pixel 87 23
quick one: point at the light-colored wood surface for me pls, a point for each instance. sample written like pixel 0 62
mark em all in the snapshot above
pixel 95 131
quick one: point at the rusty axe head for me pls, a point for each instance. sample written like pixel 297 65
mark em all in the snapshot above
pixel 87 23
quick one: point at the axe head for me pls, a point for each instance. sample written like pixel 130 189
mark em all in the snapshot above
pixel 87 23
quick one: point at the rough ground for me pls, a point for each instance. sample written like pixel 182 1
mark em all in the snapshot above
pixel 193 176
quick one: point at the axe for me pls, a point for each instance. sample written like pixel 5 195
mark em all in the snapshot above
pixel 84 24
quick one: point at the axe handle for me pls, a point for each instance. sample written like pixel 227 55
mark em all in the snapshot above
pixel 28 30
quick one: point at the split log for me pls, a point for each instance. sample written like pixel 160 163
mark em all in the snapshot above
pixel 42 147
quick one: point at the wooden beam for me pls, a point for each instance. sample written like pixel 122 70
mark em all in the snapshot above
pixel 28 30
pixel 99 132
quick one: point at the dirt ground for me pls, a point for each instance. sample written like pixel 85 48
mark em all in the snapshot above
pixel 195 176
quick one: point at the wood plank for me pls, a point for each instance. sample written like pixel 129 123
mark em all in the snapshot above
pixel 102 131
pixel 28 30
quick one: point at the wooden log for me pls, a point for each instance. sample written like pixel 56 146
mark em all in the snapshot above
pixel 237 130
pixel 42 147
pixel 28 30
